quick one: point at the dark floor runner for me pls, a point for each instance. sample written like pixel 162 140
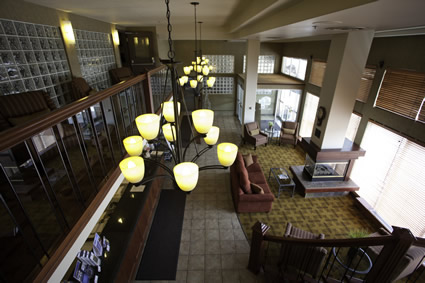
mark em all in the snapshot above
pixel 159 260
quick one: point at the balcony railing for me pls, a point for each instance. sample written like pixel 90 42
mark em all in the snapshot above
pixel 299 257
pixel 55 171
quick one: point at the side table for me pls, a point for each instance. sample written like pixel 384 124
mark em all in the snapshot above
pixel 283 180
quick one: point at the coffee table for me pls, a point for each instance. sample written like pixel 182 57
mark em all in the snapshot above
pixel 283 180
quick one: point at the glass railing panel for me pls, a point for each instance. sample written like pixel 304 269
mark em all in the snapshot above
pixel 27 190
pixel 17 248
pixel 54 161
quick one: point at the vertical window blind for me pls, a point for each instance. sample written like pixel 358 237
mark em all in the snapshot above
pixel 403 92
pixel 390 177
pixel 317 73
pixel 309 114
pixel 366 84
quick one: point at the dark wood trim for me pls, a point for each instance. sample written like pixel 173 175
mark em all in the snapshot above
pixel 54 261
pixel 147 93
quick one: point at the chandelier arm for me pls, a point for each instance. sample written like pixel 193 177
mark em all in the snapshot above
pixel 208 167
pixel 166 146
pixel 169 171
pixel 191 141
pixel 147 180
pixel 201 152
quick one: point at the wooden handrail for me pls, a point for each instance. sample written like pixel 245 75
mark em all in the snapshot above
pixel 357 242
pixel 17 134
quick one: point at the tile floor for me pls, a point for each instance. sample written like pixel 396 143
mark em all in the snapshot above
pixel 213 247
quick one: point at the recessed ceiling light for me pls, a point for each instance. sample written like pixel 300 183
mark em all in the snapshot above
pixel 327 23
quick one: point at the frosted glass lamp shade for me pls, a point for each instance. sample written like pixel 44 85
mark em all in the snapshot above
pixel 133 169
pixel 203 120
pixel 205 70
pixel 168 110
pixel 148 125
pixel 199 68
pixel 211 81
pixel 169 132
pixel 133 145
pixel 186 79
pixel 182 81
pixel 186 175
pixel 193 83
pixel 212 136
pixel 199 78
pixel 186 70
pixel 198 60
pixel 227 153
pixel 207 61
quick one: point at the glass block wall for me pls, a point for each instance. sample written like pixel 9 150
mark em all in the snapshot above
pixel 265 64
pixel 222 85
pixel 222 64
pixel 32 57
pixel 96 56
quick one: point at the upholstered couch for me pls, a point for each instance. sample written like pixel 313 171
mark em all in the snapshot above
pixel 242 177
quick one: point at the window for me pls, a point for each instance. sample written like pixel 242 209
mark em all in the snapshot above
pixel 317 73
pixel 365 84
pixel 309 114
pixel 390 178
pixel 222 85
pixel 289 100
pixel 265 64
pixel 294 67
pixel 267 98
pixel 353 126
pixel 222 64
pixel 403 92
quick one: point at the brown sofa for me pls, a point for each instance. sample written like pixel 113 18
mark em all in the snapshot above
pixel 242 177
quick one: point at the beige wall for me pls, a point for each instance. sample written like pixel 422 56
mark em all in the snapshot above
pixel 19 10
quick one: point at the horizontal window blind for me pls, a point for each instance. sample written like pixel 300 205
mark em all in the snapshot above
pixel 403 92
pixel 404 198
pixel 317 73
pixel 365 84
pixel 309 114
pixel 390 177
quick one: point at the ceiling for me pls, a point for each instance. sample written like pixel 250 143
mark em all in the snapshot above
pixel 267 20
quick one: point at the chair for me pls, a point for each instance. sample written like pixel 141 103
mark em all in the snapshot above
pixel 309 259
pixel 289 133
pixel 407 265
pixel 253 135
pixel 21 108
pixel 80 88
pixel 120 74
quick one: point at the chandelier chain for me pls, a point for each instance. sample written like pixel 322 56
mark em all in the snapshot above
pixel 171 52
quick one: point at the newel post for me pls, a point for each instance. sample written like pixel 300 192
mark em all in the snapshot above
pixel 391 255
pixel 259 230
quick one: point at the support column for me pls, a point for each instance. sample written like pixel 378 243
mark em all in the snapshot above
pixel 251 77
pixel 346 61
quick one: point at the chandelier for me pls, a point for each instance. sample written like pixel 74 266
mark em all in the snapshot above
pixel 198 73
pixel 151 126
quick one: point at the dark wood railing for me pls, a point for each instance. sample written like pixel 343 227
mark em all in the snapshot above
pixel 301 254
pixel 65 182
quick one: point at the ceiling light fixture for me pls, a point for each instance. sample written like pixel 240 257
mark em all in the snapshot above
pixel 185 173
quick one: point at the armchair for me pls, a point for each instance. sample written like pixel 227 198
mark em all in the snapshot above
pixel 407 265
pixel 253 135
pixel 289 133
pixel 80 88
pixel 295 256
pixel 120 74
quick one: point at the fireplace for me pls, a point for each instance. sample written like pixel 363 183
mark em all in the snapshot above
pixel 330 164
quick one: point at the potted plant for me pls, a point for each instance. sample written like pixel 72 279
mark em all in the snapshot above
pixel 353 234
pixel 270 125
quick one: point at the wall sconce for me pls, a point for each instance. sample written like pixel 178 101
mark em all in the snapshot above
pixel 68 32
pixel 116 38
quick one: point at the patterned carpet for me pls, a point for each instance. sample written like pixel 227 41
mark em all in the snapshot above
pixel 333 216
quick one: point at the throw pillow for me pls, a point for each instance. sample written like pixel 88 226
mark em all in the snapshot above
pixel 248 160
pixel 244 181
pixel 256 189
pixel 255 132
pixel 288 131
